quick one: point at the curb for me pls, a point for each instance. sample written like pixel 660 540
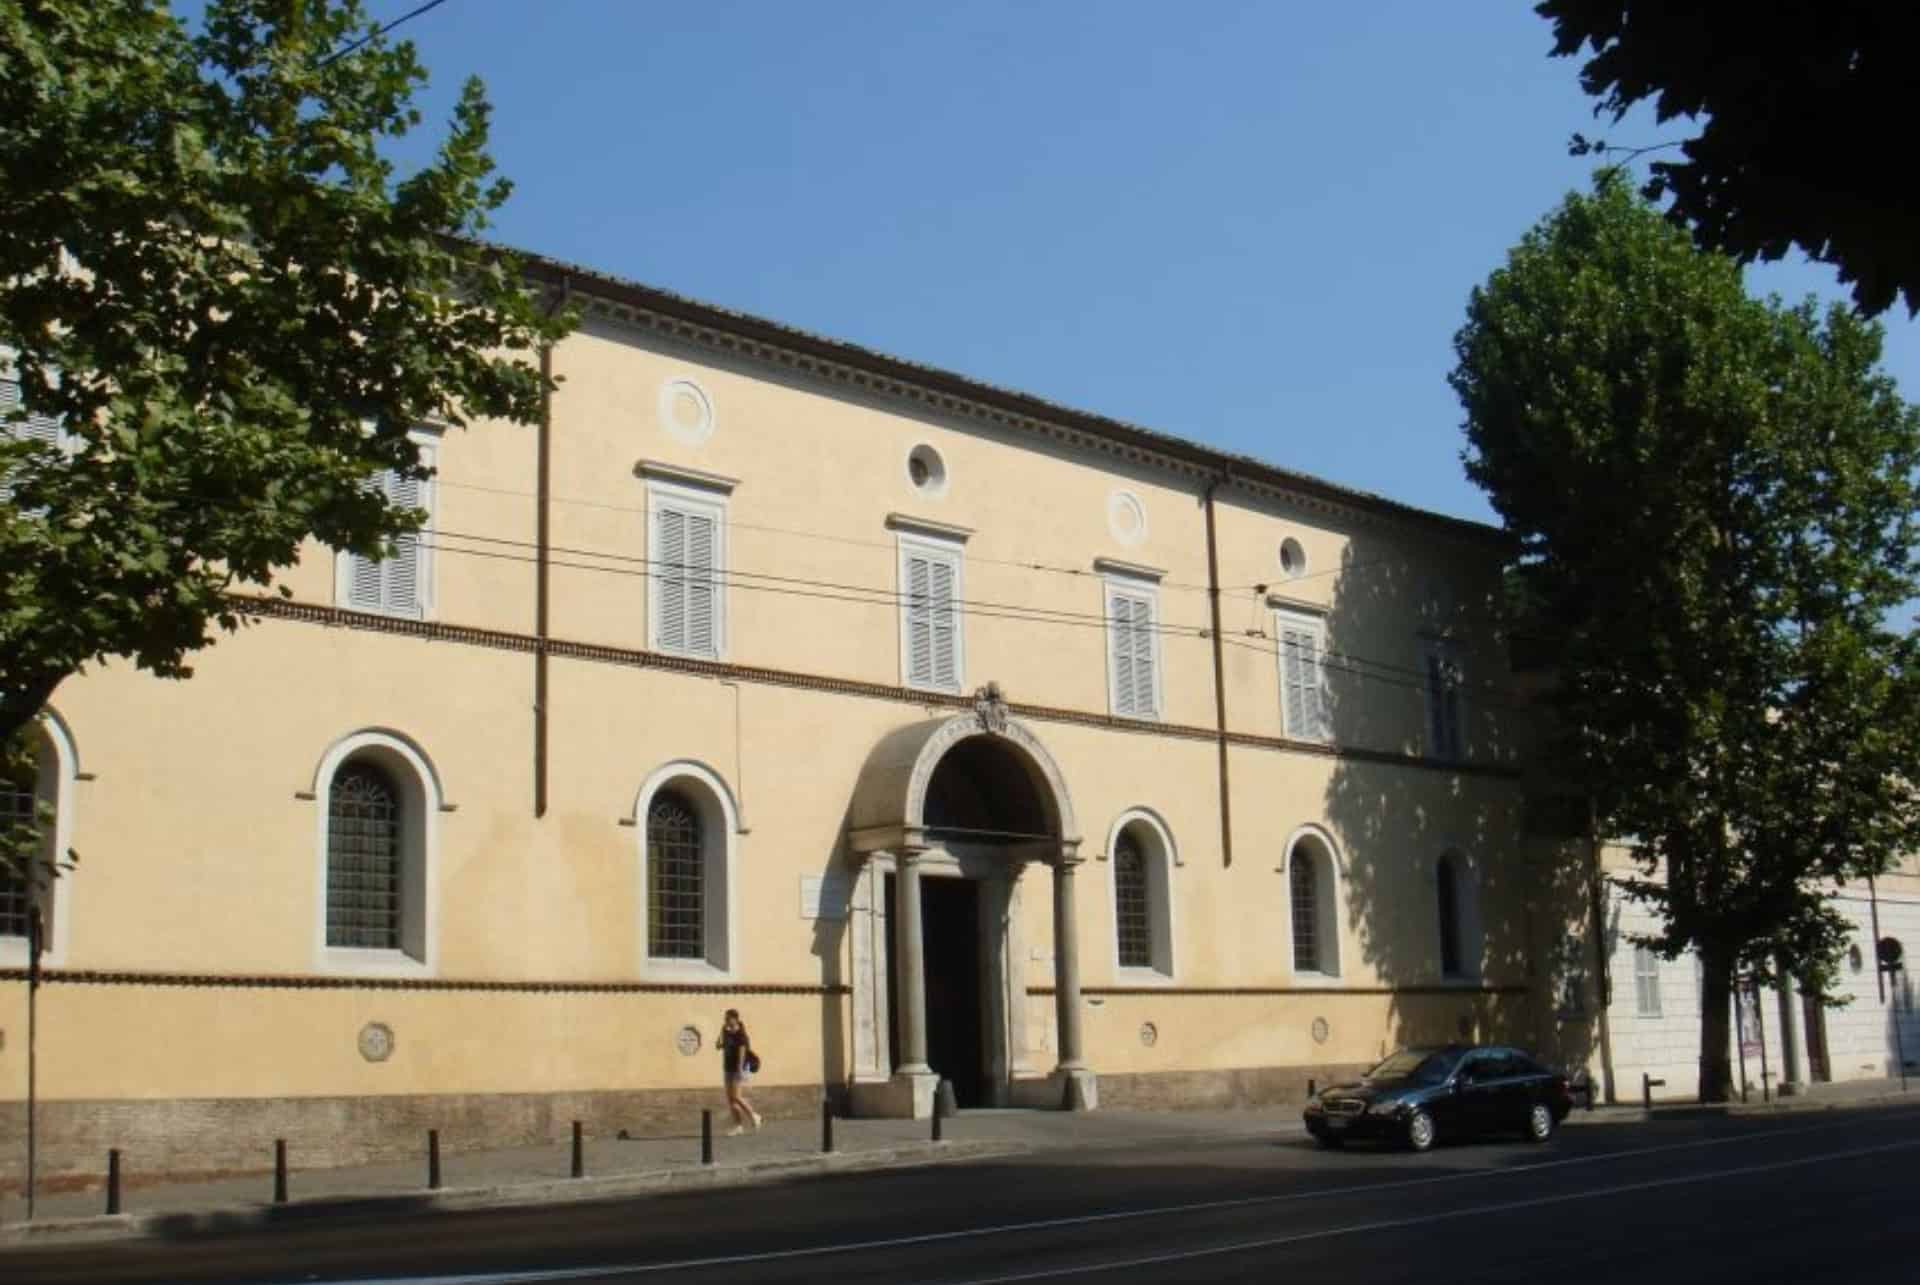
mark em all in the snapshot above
pixel 228 1218
pixel 1622 1113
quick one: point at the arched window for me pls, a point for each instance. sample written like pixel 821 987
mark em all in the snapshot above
pixel 676 905
pixel 1455 899
pixel 1132 911
pixel 1143 858
pixel 366 862
pixel 687 821
pixel 1313 881
pixel 33 816
pixel 380 804
pixel 1306 915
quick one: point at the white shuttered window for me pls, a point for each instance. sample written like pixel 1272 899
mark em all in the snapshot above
pixel 930 620
pixel 687 571
pixel 1305 707
pixel 1445 715
pixel 1133 652
pixel 400 583
pixel 43 429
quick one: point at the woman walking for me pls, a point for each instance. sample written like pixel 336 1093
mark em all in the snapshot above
pixel 737 1062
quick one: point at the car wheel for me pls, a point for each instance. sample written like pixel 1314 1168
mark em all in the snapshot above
pixel 1539 1122
pixel 1419 1131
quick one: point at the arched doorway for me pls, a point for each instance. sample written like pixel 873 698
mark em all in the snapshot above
pixel 947 816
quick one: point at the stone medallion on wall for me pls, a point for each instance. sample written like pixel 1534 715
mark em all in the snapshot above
pixel 376 1041
pixel 685 411
pixel 1127 518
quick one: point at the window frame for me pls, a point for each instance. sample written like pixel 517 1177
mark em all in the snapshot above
pixel 426 563
pixel 413 771
pixel 1141 589
pixel 1441 746
pixel 57 772
pixel 1466 917
pixel 1646 983
pixel 1319 849
pixel 720 829
pixel 712 503
pixel 1297 620
pixel 951 549
pixel 1160 857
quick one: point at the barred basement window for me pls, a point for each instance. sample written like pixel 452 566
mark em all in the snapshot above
pixel 1306 915
pixel 1133 923
pixel 676 910
pixel 364 860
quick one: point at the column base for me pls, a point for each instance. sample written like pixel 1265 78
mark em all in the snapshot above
pixel 1063 1090
pixel 905 1095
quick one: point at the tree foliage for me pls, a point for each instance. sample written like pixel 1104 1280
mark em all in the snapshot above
pixel 1714 499
pixel 215 280
pixel 1796 99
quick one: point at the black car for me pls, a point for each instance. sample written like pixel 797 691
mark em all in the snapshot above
pixel 1420 1094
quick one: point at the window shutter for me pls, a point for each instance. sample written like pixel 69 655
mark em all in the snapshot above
pixel 401 572
pixel 1296 649
pixel 946 658
pixel 702 619
pixel 669 564
pixel 919 621
pixel 1120 638
pixel 1143 676
pixel 34 428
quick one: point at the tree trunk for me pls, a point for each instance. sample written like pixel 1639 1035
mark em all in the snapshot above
pixel 1716 1005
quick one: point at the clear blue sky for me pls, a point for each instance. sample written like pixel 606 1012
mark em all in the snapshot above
pixel 1250 224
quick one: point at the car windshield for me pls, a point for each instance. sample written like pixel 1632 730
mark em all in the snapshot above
pixel 1422 1066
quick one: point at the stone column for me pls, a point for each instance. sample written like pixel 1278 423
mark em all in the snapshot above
pixel 1066 964
pixel 1793 1061
pixel 909 953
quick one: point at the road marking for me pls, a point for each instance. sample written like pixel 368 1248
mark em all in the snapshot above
pixel 536 1276
pixel 1390 1224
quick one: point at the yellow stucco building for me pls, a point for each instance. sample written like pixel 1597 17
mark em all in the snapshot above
pixel 943 731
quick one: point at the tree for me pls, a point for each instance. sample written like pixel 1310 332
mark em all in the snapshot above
pixel 1713 498
pixel 216 286
pixel 1797 99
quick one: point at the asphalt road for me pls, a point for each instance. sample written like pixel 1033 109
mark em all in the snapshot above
pixel 1818 1196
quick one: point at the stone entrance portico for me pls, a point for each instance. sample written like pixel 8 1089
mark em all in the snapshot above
pixel 973 796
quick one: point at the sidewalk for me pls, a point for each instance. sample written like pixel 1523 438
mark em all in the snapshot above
pixel 1811 1097
pixel 614 1167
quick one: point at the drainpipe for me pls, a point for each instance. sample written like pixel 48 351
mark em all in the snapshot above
pixel 542 572
pixel 1219 672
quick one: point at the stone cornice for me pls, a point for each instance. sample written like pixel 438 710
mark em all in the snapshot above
pixel 833 362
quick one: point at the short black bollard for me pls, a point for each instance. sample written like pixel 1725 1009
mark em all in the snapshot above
pixel 433 1159
pixel 113 1180
pixel 579 1152
pixel 936 1121
pixel 1309 1088
pixel 279 1171
pixel 826 1124
pixel 1647 1085
pixel 706 1136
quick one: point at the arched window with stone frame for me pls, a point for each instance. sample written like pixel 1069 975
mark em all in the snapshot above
pixel 688 823
pixel 1142 857
pixel 36 814
pixel 1457 907
pixel 1313 888
pixel 379 800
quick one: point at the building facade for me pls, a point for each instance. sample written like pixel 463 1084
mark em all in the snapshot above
pixel 945 732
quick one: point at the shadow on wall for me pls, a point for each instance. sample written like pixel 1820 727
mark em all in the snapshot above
pixel 830 947
pixel 1476 960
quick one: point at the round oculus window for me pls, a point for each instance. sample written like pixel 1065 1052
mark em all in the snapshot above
pixel 1127 517
pixel 926 470
pixel 685 411
pixel 1293 559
